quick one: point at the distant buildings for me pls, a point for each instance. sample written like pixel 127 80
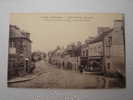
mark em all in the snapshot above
pixel 38 55
pixel 19 51
pixel 68 58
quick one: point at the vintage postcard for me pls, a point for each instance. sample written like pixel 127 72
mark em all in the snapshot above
pixel 66 50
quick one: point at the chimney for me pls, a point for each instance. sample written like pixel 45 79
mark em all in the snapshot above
pixel 118 24
pixel 27 35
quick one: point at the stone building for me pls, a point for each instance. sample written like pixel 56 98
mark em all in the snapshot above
pixel 106 52
pixel 96 50
pixel 115 49
pixel 19 51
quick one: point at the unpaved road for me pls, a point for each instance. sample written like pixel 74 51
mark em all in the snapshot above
pixel 52 77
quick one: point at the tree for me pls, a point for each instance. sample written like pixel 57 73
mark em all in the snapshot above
pixel 44 55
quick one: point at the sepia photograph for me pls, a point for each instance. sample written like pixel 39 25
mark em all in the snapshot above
pixel 67 51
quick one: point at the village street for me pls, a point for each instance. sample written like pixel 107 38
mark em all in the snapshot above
pixel 50 76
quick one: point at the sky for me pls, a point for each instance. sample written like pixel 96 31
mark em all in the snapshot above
pixel 49 30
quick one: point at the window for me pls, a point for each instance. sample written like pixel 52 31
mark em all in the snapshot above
pixel 11 44
pixel 86 52
pixel 108 47
pixel 108 65
pixel 108 52
pixel 95 53
pixel 83 53
pixel 99 51
pixel 110 41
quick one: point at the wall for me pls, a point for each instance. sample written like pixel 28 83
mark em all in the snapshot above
pixel 114 54
pixel 96 49
pixel 8 6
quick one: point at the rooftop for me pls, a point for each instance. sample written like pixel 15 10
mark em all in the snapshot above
pixel 16 32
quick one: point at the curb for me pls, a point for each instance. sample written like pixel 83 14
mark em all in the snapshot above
pixel 23 80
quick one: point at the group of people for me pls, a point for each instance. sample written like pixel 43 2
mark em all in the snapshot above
pixel 92 66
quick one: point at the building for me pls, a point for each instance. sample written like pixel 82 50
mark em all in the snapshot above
pixel 104 53
pixel 53 56
pixel 115 49
pixel 95 51
pixel 73 53
pixel 66 58
pixel 84 55
pixel 19 51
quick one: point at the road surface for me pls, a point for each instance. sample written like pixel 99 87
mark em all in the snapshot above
pixel 52 77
